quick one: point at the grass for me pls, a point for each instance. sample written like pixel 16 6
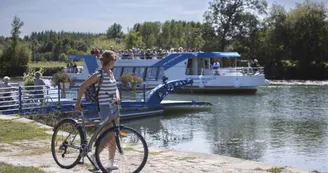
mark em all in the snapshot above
pixel 11 131
pixel 3 150
pixel 51 64
pixel 154 153
pixel 274 170
pixel 186 158
pixel 6 168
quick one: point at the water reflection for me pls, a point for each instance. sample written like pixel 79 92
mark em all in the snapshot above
pixel 165 132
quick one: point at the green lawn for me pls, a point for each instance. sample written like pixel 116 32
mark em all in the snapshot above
pixel 6 168
pixel 11 131
pixel 51 64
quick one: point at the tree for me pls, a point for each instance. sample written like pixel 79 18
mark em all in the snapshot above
pixel 228 17
pixel 307 23
pixel 133 39
pixel 114 31
pixel 15 31
pixel 16 55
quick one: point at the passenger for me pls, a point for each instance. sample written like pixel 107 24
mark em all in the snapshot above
pixel 92 51
pixel 254 65
pixel 6 87
pixel 38 86
pixel 74 66
pixel 216 65
pixel 108 96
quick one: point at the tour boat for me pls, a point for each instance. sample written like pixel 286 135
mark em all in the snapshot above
pixel 231 77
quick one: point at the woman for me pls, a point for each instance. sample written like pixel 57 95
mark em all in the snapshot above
pixel 108 95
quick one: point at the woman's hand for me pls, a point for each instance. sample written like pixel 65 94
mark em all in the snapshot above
pixel 118 101
pixel 78 107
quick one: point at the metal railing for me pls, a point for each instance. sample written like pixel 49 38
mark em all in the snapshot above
pixel 28 98
pixel 21 98
pixel 233 71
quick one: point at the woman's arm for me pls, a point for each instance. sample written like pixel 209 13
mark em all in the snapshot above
pixel 118 95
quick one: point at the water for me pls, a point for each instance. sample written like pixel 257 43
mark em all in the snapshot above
pixel 284 124
pixel 281 124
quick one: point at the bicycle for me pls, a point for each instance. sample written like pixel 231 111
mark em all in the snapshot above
pixel 84 147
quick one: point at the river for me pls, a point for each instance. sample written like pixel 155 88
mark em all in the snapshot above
pixel 281 124
pixel 284 124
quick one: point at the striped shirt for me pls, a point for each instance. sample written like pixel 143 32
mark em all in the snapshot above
pixel 107 91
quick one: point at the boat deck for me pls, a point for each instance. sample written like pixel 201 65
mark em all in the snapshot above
pixel 180 103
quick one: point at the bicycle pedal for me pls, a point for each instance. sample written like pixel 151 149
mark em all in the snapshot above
pixel 81 163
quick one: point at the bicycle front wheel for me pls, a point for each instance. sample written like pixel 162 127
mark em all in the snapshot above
pixel 66 143
pixel 125 152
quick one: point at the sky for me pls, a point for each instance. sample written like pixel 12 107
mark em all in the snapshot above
pixel 97 15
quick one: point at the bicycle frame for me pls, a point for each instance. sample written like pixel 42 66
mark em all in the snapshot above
pixel 99 127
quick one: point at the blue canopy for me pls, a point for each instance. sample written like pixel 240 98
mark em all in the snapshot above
pixel 217 55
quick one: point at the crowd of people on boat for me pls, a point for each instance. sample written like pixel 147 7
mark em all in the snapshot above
pixel 71 68
pixel 137 53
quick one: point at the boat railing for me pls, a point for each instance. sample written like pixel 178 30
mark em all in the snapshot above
pixel 131 95
pixel 25 97
pixel 191 71
pixel 229 71
pixel 141 57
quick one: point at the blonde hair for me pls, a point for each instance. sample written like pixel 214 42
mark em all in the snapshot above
pixel 106 57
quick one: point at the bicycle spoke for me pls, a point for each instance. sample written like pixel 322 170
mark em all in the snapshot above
pixel 66 144
pixel 134 151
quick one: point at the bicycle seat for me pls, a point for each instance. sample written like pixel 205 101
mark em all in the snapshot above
pixel 82 106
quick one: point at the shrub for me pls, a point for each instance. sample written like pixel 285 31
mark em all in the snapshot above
pixel 49 71
pixel 28 77
pixel 61 77
pixel 130 80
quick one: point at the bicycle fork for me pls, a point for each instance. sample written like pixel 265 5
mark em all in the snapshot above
pixel 117 138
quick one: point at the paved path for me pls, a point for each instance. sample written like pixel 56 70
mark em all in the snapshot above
pixel 37 153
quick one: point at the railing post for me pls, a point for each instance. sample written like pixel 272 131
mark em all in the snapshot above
pixel 58 93
pixel 20 98
pixel 144 92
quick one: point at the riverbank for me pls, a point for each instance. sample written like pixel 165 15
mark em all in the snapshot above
pixel 36 152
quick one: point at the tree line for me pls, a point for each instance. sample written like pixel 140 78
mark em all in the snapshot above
pixel 291 44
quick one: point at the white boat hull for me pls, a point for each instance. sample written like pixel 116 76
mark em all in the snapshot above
pixel 180 66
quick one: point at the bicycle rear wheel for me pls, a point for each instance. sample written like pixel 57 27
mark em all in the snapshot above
pixel 134 147
pixel 66 143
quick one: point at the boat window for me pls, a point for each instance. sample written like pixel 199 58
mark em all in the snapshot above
pixel 160 73
pixel 117 72
pixel 151 73
pixel 140 72
pixel 127 70
pixel 189 67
